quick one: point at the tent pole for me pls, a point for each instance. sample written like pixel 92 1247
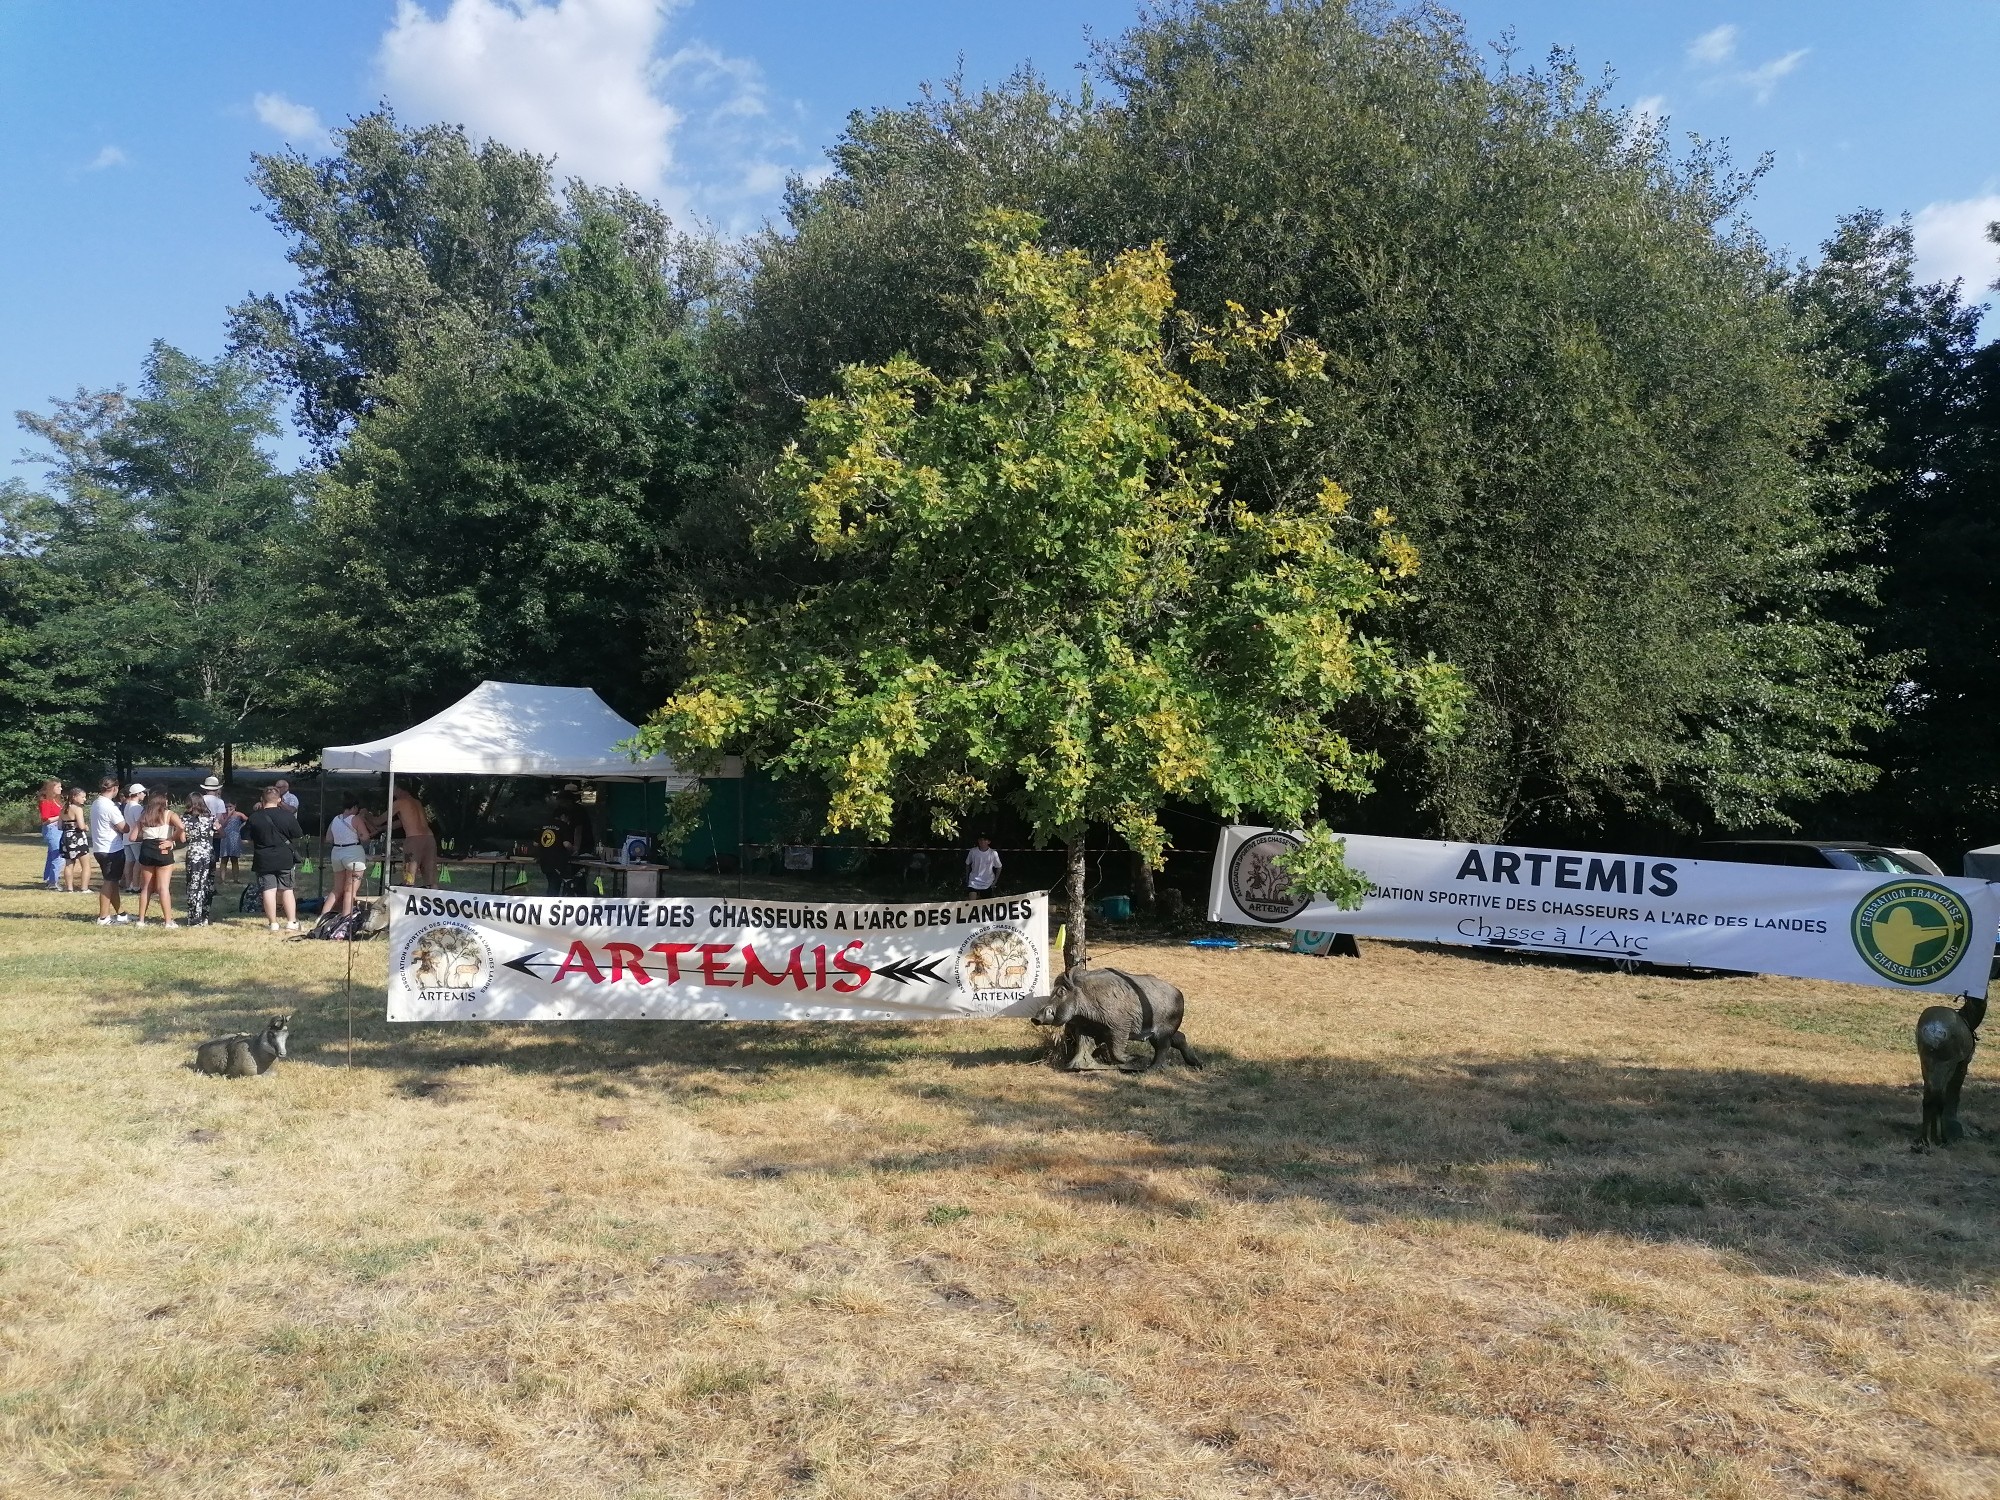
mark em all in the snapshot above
pixel 321 863
pixel 389 834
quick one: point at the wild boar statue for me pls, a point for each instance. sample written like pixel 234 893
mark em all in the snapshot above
pixel 1106 1008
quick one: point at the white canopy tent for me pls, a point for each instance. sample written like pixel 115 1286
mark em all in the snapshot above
pixel 513 729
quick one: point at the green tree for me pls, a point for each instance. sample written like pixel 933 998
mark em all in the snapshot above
pixel 1550 353
pixel 154 553
pixel 1032 586
pixel 47 704
pixel 402 236
pixel 410 241
pixel 1927 413
pixel 533 508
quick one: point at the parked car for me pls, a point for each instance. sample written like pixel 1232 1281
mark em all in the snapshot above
pixel 1823 854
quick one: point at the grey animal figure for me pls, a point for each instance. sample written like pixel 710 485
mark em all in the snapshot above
pixel 1108 1008
pixel 1946 1040
pixel 243 1055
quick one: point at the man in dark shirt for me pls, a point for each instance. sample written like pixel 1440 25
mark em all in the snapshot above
pixel 272 828
pixel 565 838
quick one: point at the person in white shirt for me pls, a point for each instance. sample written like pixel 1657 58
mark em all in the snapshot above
pixel 347 839
pixel 982 867
pixel 211 796
pixel 107 844
pixel 285 794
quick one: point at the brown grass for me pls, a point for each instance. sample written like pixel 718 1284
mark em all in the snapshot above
pixel 1429 1226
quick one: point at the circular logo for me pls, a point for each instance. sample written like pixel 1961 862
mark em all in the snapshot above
pixel 446 961
pixel 1912 931
pixel 1262 891
pixel 999 963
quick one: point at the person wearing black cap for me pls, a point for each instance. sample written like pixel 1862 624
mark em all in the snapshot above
pixel 563 840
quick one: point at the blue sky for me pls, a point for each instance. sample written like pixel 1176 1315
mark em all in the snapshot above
pixel 130 125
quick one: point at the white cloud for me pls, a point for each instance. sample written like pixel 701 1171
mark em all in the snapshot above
pixel 1650 111
pixel 110 156
pixel 1713 48
pixel 297 123
pixel 1763 81
pixel 573 80
pixel 1952 243
pixel 1714 52
pixel 586 81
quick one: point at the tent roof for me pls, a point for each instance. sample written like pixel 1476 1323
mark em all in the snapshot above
pixel 1983 864
pixel 512 729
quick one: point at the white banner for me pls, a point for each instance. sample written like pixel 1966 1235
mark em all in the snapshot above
pixel 557 958
pixel 1913 932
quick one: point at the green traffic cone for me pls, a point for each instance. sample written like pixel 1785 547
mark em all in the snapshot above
pixel 598 885
pixel 305 867
pixel 444 875
pixel 521 879
pixel 375 871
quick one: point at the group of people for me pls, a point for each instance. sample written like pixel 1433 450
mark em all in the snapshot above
pixel 132 836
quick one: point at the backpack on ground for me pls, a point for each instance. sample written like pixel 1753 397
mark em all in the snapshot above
pixel 339 926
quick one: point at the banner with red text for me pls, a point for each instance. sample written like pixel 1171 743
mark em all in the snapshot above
pixel 469 957
pixel 1911 932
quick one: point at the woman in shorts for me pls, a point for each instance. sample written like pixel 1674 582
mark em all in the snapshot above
pixel 76 841
pixel 160 828
pixel 347 839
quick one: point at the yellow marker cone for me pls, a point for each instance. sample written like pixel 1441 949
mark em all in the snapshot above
pixel 1062 932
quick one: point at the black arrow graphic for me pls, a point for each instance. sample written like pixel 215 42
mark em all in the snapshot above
pixel 531 961
pixel 910 970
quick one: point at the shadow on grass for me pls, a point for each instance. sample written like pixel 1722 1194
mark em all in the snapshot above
pixel 1797 1175
pixel 182 1009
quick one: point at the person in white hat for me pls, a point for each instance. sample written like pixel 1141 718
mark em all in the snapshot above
pixel 135 804
pixel 211 796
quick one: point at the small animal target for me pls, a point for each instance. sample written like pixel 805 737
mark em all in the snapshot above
pixel 243 1055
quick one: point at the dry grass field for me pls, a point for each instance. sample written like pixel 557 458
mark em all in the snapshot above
pixel 1428 1226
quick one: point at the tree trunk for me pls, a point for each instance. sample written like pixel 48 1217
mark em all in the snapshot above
pixel 228 762
pixel 1076 950
pixel 1142 880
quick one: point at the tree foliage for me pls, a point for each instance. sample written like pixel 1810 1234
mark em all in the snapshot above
pixel 409 241
pixel 155 551
pixel 1033 585
pixel 526 509
pixel 1548 353
pixel 1927 411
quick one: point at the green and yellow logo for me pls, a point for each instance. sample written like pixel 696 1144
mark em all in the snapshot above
pixel 1912 931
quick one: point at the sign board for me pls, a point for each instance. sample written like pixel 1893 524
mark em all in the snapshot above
pixel 504 958
pixel 1913 932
